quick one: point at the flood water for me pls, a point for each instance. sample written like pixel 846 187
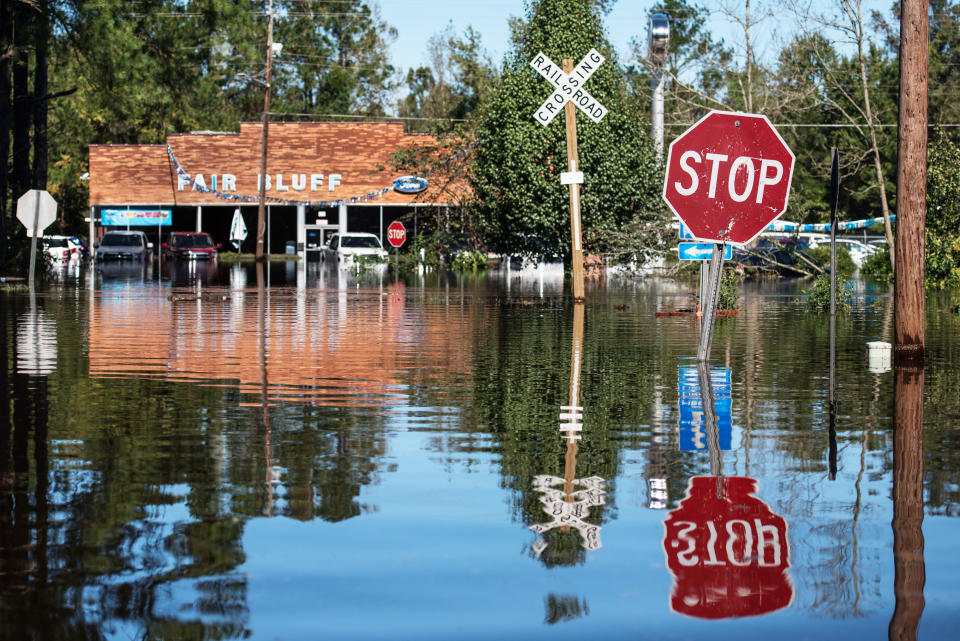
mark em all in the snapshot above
pixel 341 456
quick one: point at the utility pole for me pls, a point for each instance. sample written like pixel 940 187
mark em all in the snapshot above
pixel 911 183
pixel 261 209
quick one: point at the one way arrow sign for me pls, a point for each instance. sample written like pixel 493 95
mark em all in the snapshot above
pixel 701 251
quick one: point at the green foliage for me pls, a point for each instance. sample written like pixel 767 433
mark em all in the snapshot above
pixel 521 206
pixel 878 264
pixel 943 214
pixel 845 264
pixel 818 296
pixel 729 294
pixel 171 66
pixel 469 261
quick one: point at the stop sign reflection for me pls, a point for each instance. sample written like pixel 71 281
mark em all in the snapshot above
pixel 728 177
pixel 727 551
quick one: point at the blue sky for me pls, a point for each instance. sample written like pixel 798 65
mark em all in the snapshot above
pixel 417 20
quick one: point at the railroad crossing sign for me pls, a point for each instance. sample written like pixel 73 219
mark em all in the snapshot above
pixel 569 91
pixel 396 233
pixel 568 509
pixel 569 87
pixel 728 177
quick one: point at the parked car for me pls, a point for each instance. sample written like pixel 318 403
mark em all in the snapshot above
pixel 342 248
pixel 131 245
pixel 192 245
pixel 63 249
pixel 859 251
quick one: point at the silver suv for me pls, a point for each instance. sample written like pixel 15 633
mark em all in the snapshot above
pixel 131 245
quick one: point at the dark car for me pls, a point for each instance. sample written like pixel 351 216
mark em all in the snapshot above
pixel 190 245
pixel 123 245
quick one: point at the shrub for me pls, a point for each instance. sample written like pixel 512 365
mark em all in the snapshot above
pixel 818 296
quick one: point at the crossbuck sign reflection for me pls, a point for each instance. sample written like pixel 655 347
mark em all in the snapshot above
pixel 569 88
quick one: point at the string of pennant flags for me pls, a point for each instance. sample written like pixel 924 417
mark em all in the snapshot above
pixel 238 198
pixel 780 225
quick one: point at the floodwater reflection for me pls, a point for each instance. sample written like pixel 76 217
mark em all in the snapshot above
pixel 727 551
pixel 253 460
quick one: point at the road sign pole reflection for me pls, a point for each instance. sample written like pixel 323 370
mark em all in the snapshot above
pixel 568 500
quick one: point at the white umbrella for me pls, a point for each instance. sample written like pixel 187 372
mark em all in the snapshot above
pixel 238 229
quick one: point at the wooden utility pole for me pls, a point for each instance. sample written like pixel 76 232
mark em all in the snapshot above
pixel 908 563
pixel 261 209
pixel 911 183
pixel 569 112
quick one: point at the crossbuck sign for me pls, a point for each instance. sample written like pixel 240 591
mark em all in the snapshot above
pixel 569 88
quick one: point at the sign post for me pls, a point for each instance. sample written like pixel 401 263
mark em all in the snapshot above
pixel 728 177
pixel 396 236
pixel 569 92
pixel 36 209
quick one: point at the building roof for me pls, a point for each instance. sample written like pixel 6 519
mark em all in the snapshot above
pixel 302 158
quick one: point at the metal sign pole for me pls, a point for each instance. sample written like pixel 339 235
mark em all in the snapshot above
pixel 33 241
pixel 710 421
pixel 710 300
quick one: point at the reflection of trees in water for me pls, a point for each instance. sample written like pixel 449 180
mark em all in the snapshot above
pixel 564 607
pixel 128 513
pixel 521 379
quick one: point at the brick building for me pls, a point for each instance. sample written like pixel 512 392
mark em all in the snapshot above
pixel 321 176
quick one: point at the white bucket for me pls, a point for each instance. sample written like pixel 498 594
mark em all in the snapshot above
pixel 879 356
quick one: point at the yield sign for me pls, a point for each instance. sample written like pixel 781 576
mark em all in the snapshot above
pixel 569 88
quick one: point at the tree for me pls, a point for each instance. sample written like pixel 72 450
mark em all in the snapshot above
pixel 458 80
pixel 856 100
pixel 943 217
pixel 519 201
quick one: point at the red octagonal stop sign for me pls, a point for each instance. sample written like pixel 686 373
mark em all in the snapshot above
pixel 727 551
pixel 396 233
pixel 728 177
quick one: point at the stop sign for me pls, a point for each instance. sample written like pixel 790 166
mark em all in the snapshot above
pixel 396 233
pixel 727 551
pixel 38 204
pixel 728 177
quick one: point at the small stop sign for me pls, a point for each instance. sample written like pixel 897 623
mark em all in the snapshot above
pixel 728 177
pixel 396 233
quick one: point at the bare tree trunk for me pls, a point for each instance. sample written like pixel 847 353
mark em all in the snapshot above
pixel 6 49
pixel 41 102
pixel 872 128
pixel 20 176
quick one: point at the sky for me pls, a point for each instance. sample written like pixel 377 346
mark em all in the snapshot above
pixel 417 20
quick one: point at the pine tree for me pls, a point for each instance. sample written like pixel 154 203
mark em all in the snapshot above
pixel 522 206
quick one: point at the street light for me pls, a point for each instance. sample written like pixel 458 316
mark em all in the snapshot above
pixel 658 43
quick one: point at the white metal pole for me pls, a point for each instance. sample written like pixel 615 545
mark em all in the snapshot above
pixel 656 110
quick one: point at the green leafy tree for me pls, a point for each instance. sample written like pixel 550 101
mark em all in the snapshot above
pixel 943 214
pixel 522 207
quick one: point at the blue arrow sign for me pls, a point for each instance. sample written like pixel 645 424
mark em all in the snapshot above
pixel 691 426
pixel 701 251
